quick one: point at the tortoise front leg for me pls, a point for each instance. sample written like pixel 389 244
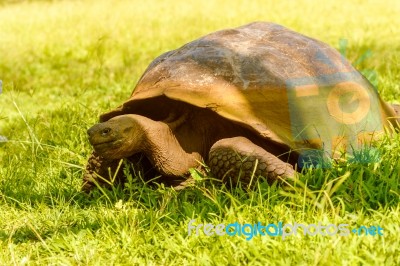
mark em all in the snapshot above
pixel 238 159
pixel 98 166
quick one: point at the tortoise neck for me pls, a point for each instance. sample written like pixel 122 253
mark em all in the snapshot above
pixel 164 151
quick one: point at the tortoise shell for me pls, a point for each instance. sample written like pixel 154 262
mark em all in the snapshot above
pixel 284 86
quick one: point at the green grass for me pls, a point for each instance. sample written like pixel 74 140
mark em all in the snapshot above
pixel 65 62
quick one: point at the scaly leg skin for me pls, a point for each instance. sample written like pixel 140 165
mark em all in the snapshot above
pixel 98 166
pixel 233 160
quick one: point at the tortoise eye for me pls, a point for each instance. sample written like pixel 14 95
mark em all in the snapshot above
pixel 105 131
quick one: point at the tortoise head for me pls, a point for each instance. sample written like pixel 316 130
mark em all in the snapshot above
pixel 119 137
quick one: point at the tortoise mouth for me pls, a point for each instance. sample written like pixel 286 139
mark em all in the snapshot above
pixel 105 145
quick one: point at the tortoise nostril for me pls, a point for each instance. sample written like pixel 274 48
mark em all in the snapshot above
pixel 105 131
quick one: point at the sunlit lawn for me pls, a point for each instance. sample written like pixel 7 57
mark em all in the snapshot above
pixel 65 62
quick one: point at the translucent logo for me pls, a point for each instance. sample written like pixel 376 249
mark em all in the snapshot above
pixel 333 114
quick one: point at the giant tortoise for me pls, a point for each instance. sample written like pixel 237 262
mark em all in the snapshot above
pixel 248 102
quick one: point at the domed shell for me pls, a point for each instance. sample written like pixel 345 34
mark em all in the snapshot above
pixel 286 87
